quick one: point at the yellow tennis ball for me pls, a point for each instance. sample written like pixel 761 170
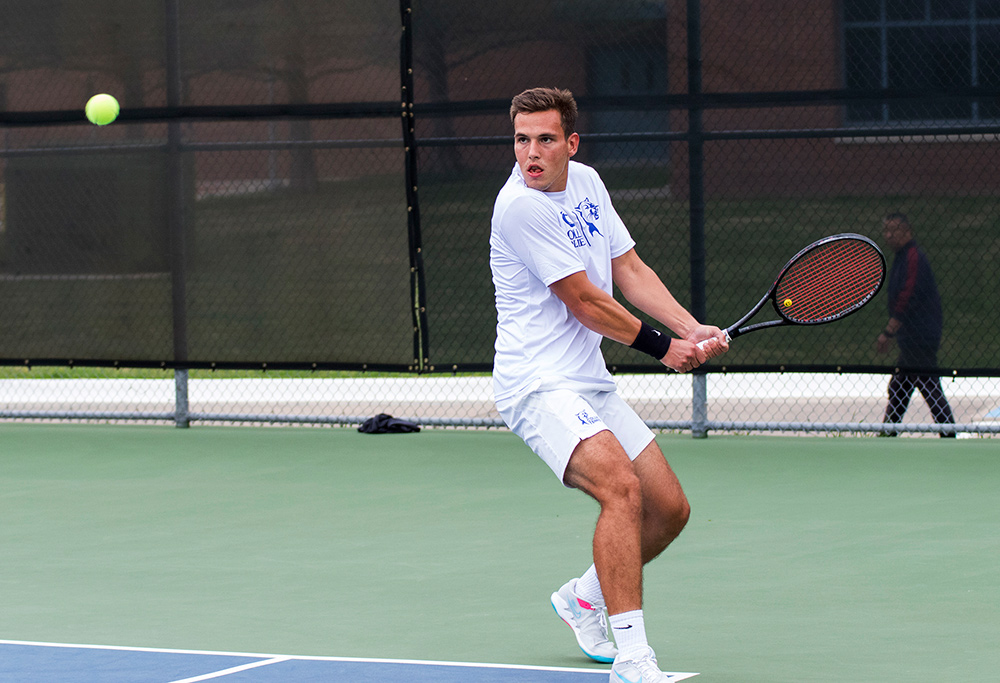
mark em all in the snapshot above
pixel 102 109
pixel 788 303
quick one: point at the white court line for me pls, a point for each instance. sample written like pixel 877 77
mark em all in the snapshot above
pixel 233 670
pixel 674 676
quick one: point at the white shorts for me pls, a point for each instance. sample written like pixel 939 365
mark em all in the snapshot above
pixel 552 423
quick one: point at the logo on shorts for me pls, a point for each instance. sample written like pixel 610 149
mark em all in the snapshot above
pixel 586 418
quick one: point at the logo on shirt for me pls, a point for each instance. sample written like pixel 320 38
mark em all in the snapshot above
pixel 582 223
pixel 586 418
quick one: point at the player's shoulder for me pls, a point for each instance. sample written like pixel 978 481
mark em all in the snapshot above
pixel 582 170
pixel 512 189
pixel 585 177
pixel 525 211
pixel 517 199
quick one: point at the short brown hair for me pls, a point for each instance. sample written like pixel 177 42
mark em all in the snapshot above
pixel 544 99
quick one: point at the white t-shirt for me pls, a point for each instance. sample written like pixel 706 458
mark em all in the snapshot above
pixel 538 238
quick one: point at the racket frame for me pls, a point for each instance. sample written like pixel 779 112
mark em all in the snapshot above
pixel 737 329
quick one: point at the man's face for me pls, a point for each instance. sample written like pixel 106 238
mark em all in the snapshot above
pixel 543 151
pixel 896 234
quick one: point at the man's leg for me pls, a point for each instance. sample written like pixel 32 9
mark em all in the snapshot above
pixel 631 530
pixel 900 391
pixel 600 468
pixel 665 508
pixel 930 388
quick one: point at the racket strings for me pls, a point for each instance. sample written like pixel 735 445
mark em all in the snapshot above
pixel 818 300
pixel 830 281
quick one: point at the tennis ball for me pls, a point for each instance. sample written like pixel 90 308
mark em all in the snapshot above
pixel 788 303
pixel 102 109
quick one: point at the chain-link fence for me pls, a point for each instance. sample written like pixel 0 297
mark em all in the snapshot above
pixel 289 220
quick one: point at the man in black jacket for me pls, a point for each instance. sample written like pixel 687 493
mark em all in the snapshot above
pixel 915 323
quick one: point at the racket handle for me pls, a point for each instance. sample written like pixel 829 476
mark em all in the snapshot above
pixel 703 343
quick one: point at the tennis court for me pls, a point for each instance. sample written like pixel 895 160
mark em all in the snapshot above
pixel 188 554
pixel 58 662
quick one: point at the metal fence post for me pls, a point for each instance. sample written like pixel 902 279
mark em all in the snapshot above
pixel 699 406
pixel 177 207
pixel 418 292
pixel 696 201
pixel 181 411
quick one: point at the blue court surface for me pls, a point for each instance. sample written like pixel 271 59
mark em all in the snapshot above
pixel 28 662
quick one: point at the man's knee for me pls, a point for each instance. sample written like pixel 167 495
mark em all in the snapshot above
pixel 669 511
pixel 617 487
pixel 666 509
pixel 622 489
pixel 683 513
pixel 600 468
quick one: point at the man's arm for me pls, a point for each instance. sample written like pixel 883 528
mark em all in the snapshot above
pixel 593 307
pixel 642 287
pixel 901 299
pixel 884 341
pixel 600 312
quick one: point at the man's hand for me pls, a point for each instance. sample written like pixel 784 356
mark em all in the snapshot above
pixel 888 335
pixel 685 355
pixel 714 338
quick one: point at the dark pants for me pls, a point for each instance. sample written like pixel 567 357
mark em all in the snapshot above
pixel 903 383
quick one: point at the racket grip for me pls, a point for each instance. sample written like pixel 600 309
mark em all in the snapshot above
pixel 704 342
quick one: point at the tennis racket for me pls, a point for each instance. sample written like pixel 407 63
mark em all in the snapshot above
pixel 828 280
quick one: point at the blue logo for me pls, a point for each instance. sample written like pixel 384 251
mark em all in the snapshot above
pixel 582 223
pixel 586 418
pixel 576 237
pixel 589 210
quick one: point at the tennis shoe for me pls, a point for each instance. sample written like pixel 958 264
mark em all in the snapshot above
pixel 588 621
pixel 638 668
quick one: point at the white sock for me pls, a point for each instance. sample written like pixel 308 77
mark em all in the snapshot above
pixel 629 630
pixel 589 588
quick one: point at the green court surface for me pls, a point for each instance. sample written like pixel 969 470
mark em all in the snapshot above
pixel 806 559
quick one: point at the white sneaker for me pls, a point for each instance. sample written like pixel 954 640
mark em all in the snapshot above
pixel 639 668
pixel 589 623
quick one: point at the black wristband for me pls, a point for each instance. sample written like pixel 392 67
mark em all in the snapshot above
pixel 888 334
pixel 651 341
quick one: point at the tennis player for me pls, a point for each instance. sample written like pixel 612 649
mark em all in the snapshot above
pixel 557 248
